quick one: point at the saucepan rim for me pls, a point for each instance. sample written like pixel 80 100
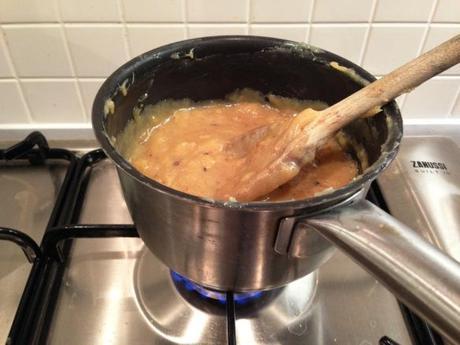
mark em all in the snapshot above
pixel 113 82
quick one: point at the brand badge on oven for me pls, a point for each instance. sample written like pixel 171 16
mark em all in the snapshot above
pixel 428 167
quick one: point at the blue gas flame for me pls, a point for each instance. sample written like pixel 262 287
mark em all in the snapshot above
pixel 239 298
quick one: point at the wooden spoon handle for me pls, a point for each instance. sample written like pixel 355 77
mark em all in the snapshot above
pixel 400 81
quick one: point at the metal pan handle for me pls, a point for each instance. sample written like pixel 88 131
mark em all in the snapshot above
pixel 420 275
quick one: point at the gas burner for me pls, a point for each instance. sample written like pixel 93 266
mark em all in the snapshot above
pixel 176 309
pixel 219 296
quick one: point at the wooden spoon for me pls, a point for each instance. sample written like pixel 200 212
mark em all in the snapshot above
pixel 274 155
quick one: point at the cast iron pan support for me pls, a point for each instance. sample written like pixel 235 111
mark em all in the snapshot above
pixel 27 244
pixel 35 149
pixel 34 139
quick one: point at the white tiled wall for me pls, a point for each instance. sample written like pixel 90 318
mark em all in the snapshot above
pixel 54 54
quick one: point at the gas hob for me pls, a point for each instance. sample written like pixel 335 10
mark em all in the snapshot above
pixel 92 281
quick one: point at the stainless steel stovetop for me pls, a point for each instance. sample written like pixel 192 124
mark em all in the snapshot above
pixel 119 293
pixel 114 291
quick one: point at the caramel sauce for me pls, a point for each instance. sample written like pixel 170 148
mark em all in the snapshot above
pixel 197 148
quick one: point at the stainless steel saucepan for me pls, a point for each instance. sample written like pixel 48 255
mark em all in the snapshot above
pixel 261 245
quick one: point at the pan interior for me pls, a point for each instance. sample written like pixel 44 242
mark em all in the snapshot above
pixel 203 70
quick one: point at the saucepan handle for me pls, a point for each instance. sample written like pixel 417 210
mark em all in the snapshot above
pixel 420 275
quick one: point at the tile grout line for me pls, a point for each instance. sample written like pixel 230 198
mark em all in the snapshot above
pixel 54 78
pixel 166 23
pixel 12 66
pixel 101 78
pixel 452 106
pixel 45 125
pixel 71 62
pixel 422 43
pixel 125 30
pixel 427 27
pixel 310 21
pixel 367 34
pixel 185 19
pixel 365 44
